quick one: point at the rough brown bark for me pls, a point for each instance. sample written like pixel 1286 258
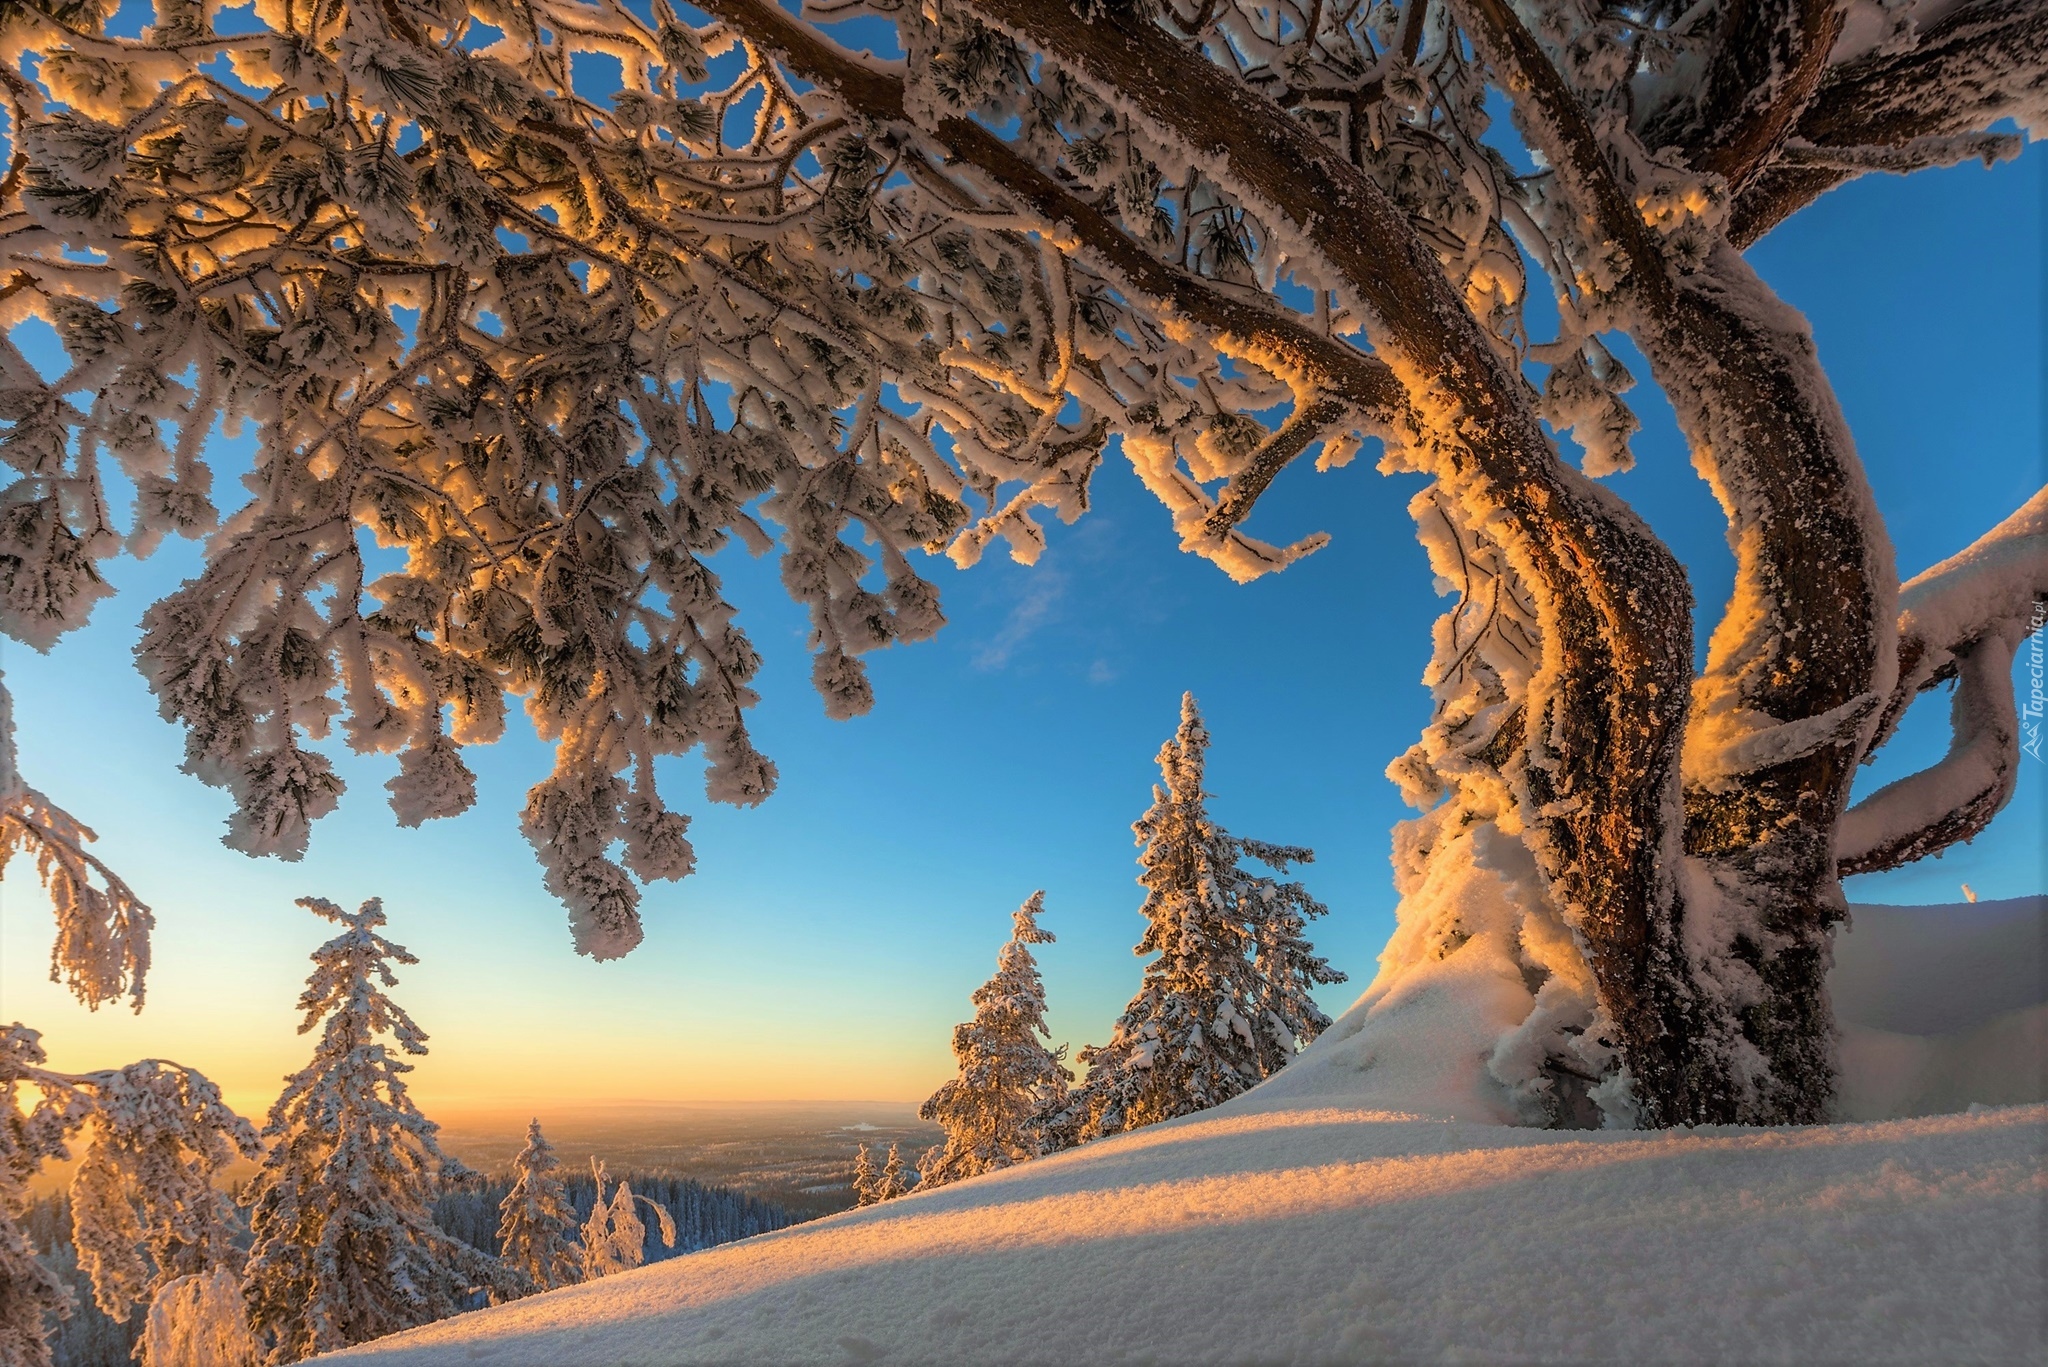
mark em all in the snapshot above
pixel 1749 397
pixel 1761 73
pixel 1967 72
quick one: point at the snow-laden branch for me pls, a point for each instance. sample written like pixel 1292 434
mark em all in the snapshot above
pixel 1977 64
pixel 1960 620
pixel 101 952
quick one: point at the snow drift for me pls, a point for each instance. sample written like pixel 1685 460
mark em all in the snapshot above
pixel 1314 1220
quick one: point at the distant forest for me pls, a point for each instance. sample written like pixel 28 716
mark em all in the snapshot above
pixel 705 1217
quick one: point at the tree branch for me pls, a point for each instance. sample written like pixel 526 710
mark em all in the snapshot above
pixel 1294 437
pixel 1986 61
pixel 1771 58
pixel 1348 378
pixel 1960 620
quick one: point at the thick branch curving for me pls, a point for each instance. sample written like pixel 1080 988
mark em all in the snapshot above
pixel 1961 621
pixel 1614 605
pixel 1983 62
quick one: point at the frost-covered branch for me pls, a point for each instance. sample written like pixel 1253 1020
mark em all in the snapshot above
pixel 1977 64
pixel 553 351
pixel 1960 620
pixel 101 951
pixel 1763 62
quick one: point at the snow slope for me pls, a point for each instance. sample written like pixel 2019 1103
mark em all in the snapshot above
pixel 1311 1221
pixel 1326 1235
pixel 1942 1007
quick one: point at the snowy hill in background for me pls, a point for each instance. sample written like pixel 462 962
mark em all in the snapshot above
pixel 1357 1209
pixel 1941 1007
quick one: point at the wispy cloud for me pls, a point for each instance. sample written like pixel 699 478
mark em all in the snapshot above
pixel 1043 589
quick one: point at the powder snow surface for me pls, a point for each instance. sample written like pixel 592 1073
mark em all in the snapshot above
pixel 1357 1211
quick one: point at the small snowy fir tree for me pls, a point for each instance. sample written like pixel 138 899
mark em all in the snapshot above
pixel 1225 1001
pixel 535 1219
pixel 867 1183
pixel 147 1219
pixel 345 1249
pixel 1007 1074
pixel 893 1182
pixel 615 1237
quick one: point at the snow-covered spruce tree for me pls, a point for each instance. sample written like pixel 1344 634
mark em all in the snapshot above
pixel 1007 1076
pixel 345 1249
pixel 558 346
pixel 147 1219
pixel 1224 1003
pixel 615 1237
pixel 867 1183
pixel 893 1181
pixel 535 1220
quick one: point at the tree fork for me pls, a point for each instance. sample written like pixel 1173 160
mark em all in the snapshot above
pixel 1771 442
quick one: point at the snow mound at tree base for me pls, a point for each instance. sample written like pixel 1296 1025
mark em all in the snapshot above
pixel 1275 1232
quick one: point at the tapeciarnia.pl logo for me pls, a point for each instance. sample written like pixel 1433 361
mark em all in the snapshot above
pixel 2030 714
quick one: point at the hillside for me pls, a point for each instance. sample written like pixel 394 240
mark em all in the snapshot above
pixel 1361 1208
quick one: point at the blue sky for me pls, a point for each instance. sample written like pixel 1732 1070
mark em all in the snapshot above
pixel 830 938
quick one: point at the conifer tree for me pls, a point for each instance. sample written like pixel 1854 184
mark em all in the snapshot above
pixel 867 1183
pixel 345 1249
pixel 1225 1001
pixel 893 1183
pixel 615 1237
pixel 1007 1074
pixel 535 1219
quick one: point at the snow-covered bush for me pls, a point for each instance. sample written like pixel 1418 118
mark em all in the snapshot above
pixel 147 1220
pixel 615 1237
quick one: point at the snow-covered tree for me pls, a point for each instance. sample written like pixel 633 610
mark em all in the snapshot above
pixel 1008 1075
pixel 345 1249
pixel 535 1219
pixel 559 345
pixel 893 1181
pixel 867 1183
pixel 146 1216
pixel 1224 1002
pixel 615 1237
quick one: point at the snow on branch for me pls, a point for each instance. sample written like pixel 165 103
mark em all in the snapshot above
pixel 1919 84
pixel 101 951
pixel 552 349
pixel 1960 620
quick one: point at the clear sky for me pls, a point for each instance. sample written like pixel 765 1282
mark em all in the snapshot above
pixel 830 938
